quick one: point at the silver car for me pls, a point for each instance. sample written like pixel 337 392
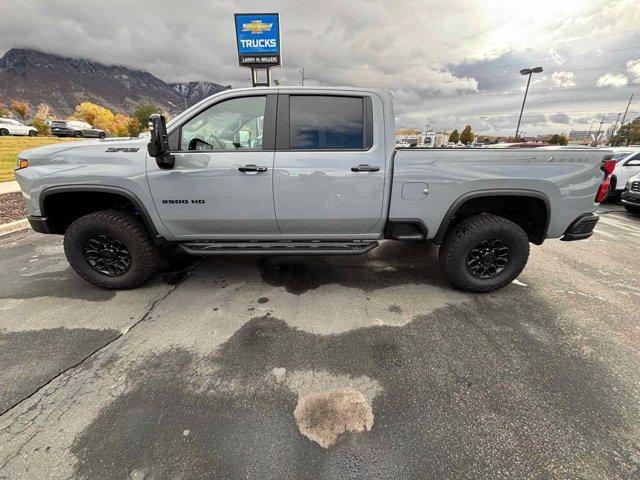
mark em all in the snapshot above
pixel 76 128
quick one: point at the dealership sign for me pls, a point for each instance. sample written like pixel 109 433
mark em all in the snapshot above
pixel 258 39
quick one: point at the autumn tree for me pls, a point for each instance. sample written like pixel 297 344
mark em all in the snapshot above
pixel 134 127
pixel 629 133
pixel 120 125
pixel 96 115
pixel 41 117
pixel 143 112
pixel 557 139
pixel 21 108
pixel 455 136
pixel 466 136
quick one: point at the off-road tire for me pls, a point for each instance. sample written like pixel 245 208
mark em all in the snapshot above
pixel 632 209
pixel 123 227
pixel 78 135
pixel 469 233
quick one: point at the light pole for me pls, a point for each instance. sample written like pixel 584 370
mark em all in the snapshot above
pixel 526 71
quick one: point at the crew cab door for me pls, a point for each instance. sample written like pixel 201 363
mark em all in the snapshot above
pixel 329 168
pixel 221 185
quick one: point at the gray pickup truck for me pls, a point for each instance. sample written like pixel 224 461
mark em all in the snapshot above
pixel 303 171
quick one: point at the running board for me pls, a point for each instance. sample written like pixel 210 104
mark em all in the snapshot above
pixel 285 247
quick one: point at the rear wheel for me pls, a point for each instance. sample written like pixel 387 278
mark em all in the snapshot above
pixel 4 132
pixel 78 135
pixel 632 209
pixel 484 253
pixel 111 249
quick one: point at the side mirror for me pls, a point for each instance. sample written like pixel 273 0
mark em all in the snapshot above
pixel 158 146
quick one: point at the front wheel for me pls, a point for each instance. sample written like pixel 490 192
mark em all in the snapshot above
pixel 102 135
pixel 111 249
pixel 32 133
pixel 78 135
pixel 4 132
pixel 484 253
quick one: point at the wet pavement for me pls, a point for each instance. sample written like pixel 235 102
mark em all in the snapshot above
pixel 338 367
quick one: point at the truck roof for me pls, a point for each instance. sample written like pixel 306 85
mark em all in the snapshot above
pixel 385 95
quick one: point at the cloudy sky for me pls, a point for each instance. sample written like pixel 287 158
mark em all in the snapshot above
pixel 448 63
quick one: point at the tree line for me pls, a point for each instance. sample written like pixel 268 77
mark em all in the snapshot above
pixel 116 124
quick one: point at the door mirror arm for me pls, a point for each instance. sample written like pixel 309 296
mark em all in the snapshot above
pixel 158 146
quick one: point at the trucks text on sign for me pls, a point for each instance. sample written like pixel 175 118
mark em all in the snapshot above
pixel 258 39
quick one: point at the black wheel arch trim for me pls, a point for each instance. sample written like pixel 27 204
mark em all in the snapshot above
pixel 503 192
pixel 144 213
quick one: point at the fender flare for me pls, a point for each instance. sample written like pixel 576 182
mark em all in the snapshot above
pixel 503 192
pixel 144 213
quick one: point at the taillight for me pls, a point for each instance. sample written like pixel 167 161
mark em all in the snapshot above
pixel 607 167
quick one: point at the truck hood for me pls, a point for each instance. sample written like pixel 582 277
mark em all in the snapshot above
pixel 56 153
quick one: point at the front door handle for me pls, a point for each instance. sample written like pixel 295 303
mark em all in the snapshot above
pixel 365 168
pixel 252 168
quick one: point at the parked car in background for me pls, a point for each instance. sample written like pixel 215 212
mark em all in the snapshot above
pixel 75 128
pixel 627 165
pixel 9 126
pixel 630 197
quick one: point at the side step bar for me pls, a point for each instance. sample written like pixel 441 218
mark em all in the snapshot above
pixel 287 247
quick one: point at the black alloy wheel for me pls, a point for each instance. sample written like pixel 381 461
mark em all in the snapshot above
pixel 107 255
pixel 488 258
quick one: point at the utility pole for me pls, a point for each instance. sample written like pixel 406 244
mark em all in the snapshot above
pixel 626 110
pixel 589 134
pixel 302 77
pixel 613 130
pixel 526 71
pixel 595 140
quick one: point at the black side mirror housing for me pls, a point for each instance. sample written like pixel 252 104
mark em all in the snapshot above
pixel 158 146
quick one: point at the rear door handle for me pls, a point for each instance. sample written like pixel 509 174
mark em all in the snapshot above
pixel 252 168
pixel 365 168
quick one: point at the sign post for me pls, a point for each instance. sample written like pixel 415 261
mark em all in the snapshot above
pixel 258 41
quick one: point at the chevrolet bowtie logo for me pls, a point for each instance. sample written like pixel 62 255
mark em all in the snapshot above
pixel 257 27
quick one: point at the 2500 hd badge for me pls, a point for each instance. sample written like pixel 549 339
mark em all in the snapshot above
pixel 182 202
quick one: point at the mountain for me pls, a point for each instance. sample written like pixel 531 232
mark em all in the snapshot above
pixel 63 83
pixel 196 91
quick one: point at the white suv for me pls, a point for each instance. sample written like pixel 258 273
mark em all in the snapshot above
pixel 8 126
pixel 628 165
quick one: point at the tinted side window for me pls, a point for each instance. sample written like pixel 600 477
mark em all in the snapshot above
pixel 323 122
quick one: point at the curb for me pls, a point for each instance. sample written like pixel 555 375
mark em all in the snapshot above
pixel 7 228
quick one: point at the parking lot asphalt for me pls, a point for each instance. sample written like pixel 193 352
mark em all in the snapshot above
pixel 339 367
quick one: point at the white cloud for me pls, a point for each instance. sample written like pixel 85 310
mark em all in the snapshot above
pixel 633 67
pixel 556 57
pixel 464 60
pixel 612 80
pixel 563 79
